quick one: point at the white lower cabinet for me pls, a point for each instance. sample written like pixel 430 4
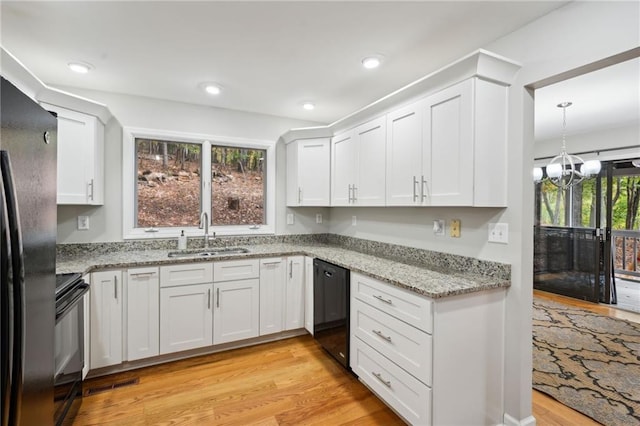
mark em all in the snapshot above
pixel 106 318
pixel 143 313
pixel 86 305
pixel 404 393
pixel 308 294
pixel 273 273
pixel 236 314
pixel 428 358
pixel 186 317
pixel 294 294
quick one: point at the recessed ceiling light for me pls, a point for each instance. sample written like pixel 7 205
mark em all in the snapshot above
pixel 212 88
pixel 371 62
pixel 80 67
pixel 308 106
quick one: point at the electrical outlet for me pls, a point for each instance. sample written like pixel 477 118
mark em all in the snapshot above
pixel 290 219
pixel 83 223
pixel 499 233
pixel 318 218
pixel 438 227
pixel 454 228
pixel 354 221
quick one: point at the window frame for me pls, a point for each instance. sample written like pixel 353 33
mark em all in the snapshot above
pixel 129 183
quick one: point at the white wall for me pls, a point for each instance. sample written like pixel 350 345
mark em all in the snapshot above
pixel 575 35
pixel 135 111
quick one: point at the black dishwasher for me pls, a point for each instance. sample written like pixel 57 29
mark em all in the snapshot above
pixel 331 309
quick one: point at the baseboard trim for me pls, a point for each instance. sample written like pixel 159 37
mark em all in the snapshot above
pixel 512 421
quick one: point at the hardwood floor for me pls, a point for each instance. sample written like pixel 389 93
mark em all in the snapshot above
pixel 548 411
pixel 288 382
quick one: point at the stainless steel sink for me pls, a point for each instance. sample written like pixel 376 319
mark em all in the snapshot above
pixel 210 252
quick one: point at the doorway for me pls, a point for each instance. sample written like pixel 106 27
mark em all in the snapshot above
pixel 587 237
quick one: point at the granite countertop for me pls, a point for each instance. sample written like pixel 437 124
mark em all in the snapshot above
pixel 431 282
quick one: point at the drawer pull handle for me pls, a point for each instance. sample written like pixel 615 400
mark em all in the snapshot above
pixel 378 376
pixel 379 333
pixel 382 299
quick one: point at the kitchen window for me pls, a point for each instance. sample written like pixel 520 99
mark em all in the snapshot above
pixel 170 178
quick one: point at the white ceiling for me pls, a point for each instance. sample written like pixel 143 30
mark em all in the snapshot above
pixel 602 99
pixel 268 56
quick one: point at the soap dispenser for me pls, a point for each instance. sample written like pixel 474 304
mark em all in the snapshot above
pixel 182 241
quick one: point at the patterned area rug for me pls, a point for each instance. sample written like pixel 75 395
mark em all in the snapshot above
pixel 587 361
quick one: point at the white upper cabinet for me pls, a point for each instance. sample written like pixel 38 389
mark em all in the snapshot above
pixel 80 157
pixel 358 165
pixel 308 172
pixel 369 189
pixel 449 149
pixel 404 156
pixel 343 168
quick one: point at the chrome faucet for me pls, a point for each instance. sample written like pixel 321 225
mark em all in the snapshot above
pixel 204 223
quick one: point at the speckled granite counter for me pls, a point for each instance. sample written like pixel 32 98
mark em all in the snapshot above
pixel 431 281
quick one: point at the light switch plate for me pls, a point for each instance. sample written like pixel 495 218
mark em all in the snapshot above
pixel 318 218
pixel 354 221
pixel 499 233
pixel 290 219
pixel 83 223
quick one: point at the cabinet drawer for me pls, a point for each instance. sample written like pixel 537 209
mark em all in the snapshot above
pixel 402 304
pixel 230 270
pixel 186 274
pixel 404 393
pixel 403 344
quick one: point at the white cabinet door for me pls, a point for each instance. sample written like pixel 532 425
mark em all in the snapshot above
pixel 272 290
pixel 143 313
pixel 80 157
pixel 294 294
pixel 86 304
pixel 369 188
pixel 308 294
pixel 449 147
pixel 308 171
pixel 236 312
pixel 186 317
pixel 404 156
pixel 106 318
pixel 343 173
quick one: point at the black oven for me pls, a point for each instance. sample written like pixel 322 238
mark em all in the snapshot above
pixel 69 346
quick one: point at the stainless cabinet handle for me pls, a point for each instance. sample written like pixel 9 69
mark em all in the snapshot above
pixel 355 198
pixel 91 192
pixel 115 287
pixel 378 376
pixel 218 297
pixel 142 274
pixel 415 194
pixel 209 299
pixel 379 333
pixel 382 299
pixel 423 187
pixel 299 195
pixel 291 269
pixel 349 196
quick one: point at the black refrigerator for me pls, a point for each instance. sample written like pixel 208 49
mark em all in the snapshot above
pixel 28 255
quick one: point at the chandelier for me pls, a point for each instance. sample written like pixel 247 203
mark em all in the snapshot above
pixel 566 170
